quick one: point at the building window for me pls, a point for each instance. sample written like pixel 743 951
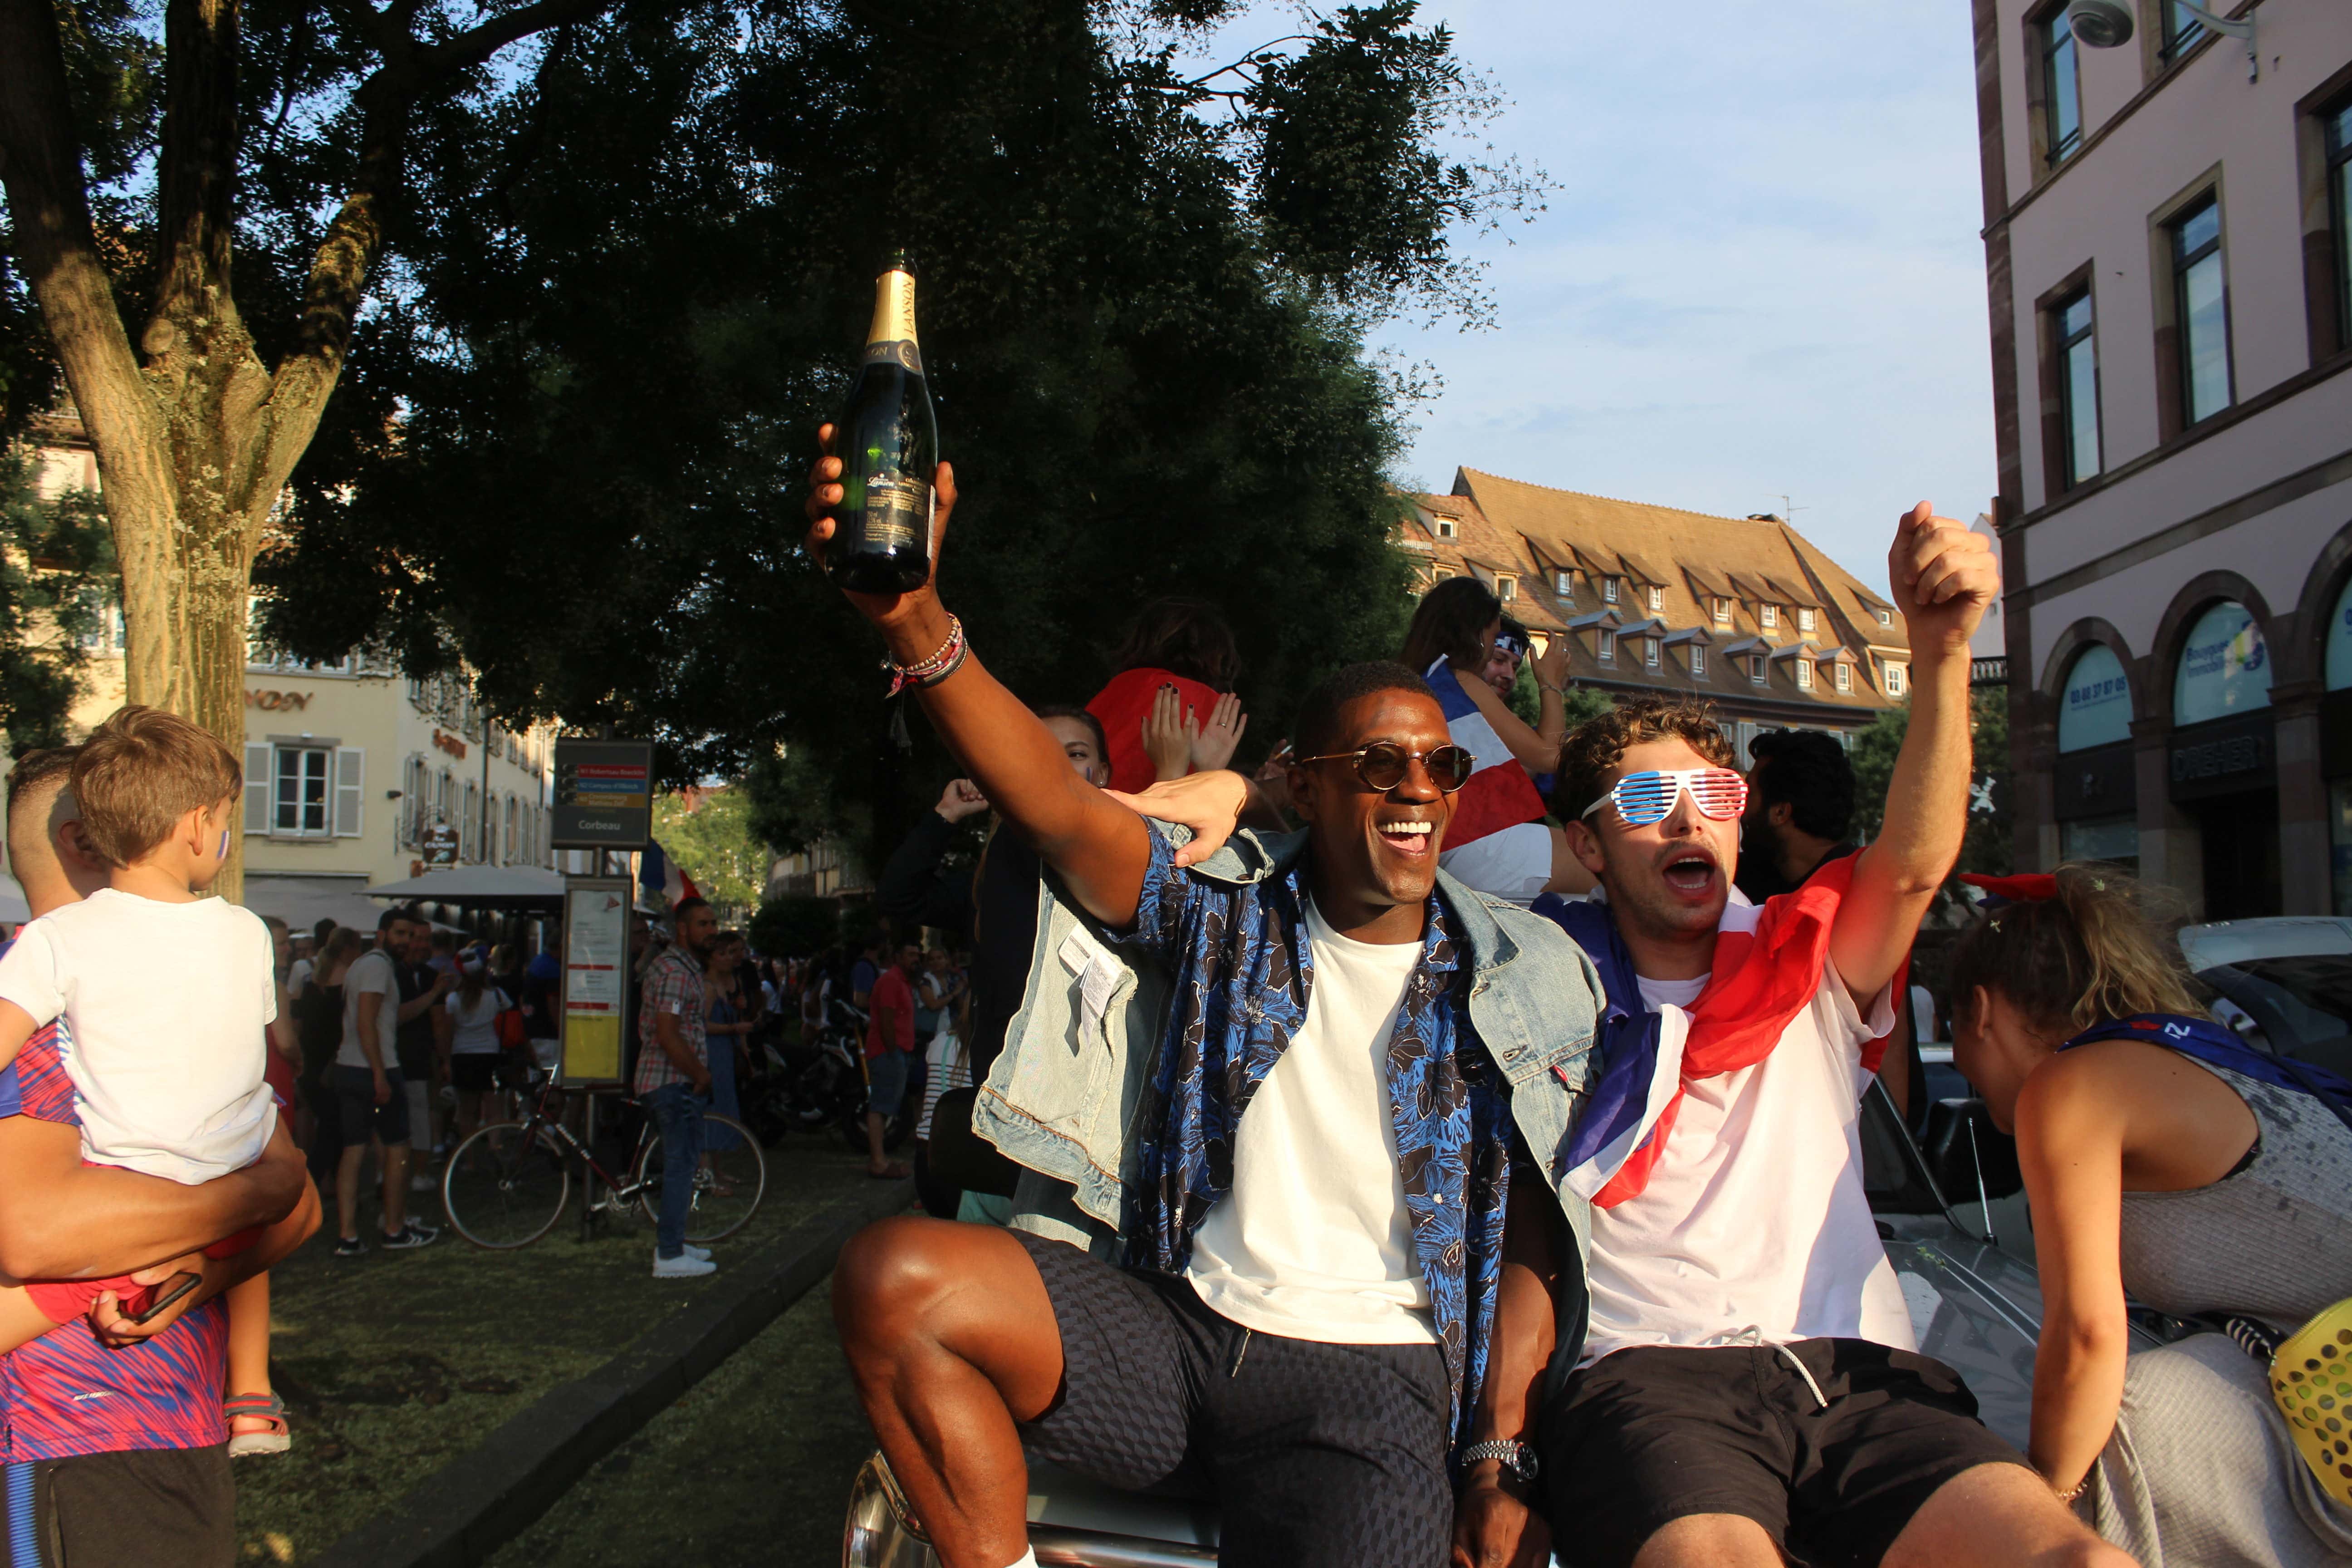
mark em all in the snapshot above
pixel 1605 645
pixel 2078 387
pixel 1657 599
pixel 2062 102
pixel 1506 588
pixel 1440 574
pixel 2182 30
pixel 298 803
pixel 1563 585
pixel 1650 652
pixel 509 853
pixel 1886 617
pixel 1804 675
pixel 1698 660
pixel 1723 612
pixel 1844 677
pixel 302 792
pixel 1755 671
pixel 2197 302
pixel 2338 125
pixel 1768 616
pixel 469 826
pixel 1609 590
pixel 1804 620
pixel 1895 673
pixel 1444 528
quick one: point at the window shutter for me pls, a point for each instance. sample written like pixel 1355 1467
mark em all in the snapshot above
pixel 350 770
pixel 257 787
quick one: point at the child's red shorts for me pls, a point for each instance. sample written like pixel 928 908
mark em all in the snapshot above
pixel 63 1301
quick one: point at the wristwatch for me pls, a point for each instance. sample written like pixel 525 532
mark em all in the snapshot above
pixel 1518 1459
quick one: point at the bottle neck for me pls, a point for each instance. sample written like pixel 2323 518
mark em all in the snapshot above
pixel 894 310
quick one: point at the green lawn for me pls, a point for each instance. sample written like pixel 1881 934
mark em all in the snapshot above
pixel 395 1363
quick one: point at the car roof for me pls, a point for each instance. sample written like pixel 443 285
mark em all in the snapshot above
pixel 2280 936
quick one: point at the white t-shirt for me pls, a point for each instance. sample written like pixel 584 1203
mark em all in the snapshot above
pixel 371 981
pixel 167 1004
pixel 473 1031
pixel 298 975
pixel 1314 1242
pixel 1756 1218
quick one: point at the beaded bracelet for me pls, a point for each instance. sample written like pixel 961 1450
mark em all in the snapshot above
pixel 932 670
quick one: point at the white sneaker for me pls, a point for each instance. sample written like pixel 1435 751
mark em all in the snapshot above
pixel 702 1253
pixel 685 1265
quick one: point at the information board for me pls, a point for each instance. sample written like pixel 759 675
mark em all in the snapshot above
pixel 604 795
pixel 595 977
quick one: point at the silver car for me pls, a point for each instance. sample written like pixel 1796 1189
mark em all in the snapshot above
pixel 1973 1307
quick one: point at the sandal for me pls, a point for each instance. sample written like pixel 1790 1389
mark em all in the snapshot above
pixel 259 1406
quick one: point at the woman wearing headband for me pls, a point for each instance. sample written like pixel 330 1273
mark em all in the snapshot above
pixel 2167 1161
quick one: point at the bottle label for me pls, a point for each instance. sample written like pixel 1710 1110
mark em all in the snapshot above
pixel 894 310
pixel 904 352
pixel 897 513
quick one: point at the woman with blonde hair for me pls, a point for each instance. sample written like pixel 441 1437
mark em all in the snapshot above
pixel 2168 1161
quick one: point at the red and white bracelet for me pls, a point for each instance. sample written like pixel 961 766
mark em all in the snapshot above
pixel 932 670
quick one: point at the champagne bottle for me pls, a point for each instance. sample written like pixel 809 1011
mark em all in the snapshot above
pixel 888 445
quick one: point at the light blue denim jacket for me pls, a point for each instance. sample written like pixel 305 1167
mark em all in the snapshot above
pixel 1067 1098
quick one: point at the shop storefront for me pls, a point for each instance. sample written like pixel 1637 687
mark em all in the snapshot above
pixel 2224 762
pixel 2096 792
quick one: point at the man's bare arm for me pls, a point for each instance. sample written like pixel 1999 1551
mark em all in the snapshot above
pixel 1099 848
pixel 1942 577
pixel 60 1220
pixel 273 1246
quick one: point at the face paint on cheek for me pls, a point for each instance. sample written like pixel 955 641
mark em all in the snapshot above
pixel 224 849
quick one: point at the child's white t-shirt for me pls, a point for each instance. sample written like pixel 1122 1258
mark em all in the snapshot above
pixel 167 1004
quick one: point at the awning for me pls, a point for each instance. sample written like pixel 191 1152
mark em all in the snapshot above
pixel 479 887
pixel 303 901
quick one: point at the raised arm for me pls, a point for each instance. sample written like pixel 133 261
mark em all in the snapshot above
pixel 1944 578
pixel 1099 848
pixel 1538 749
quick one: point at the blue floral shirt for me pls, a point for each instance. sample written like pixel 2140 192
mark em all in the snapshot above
pixel 1239 959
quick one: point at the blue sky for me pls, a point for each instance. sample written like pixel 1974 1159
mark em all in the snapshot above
pixel 1760 273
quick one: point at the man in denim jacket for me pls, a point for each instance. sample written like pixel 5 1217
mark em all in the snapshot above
pixel 1302 1323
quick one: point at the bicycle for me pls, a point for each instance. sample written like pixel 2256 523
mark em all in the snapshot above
pixel 508 1185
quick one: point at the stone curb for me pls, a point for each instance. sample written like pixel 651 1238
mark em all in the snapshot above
pixel 459 1515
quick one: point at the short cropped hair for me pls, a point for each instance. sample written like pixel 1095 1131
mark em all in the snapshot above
pixel 399 914
pixel 1594 748
pixel 141 772
pixel 34 774
pixel 1811 773
pixel 686 907
pixel 1317 730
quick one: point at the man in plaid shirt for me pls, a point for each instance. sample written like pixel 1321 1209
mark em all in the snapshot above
pixel 674 1079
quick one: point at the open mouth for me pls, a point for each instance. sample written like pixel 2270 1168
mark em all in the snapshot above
pixel 1408 837
pixel 1690 872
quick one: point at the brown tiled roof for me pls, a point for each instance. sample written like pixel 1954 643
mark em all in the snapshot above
pixel 1690 558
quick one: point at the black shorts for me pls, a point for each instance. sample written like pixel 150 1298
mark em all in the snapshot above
pixel 359 1114
pixel 1319 1456
pixel 134 1505
pixel 1652 1435
pixel 472 1072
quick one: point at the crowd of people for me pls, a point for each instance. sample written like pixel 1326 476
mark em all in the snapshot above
pixel 1446 1144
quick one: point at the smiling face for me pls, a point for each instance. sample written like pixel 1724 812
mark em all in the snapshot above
pixel 1500 671
pixel 1375 853
pixel 1670 880
pixel 1078 738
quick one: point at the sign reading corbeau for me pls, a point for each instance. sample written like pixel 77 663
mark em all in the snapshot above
pixel 440 844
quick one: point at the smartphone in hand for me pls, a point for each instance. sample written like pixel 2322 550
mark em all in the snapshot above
pixel 170 1291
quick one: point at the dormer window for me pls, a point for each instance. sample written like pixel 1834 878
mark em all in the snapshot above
pixel 1609 590
pixel 1657 599
pixel 1564 585
pixel 1506 587
pixel 1768 616
pixel 1444 528
pixel 1698 661
pixel 1755 670
pixel 1440 574
pixel 1895 674
pixel 1723 612
pixel 1605 645
pixel 1844 677
pixel 1804 620
pixel 1886 617
pixel 1650 652
pixel 1804 675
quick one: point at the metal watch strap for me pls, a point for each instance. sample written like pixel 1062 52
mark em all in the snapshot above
pixel 1516 1457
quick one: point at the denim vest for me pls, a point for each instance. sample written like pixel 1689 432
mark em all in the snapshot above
pixel 1066 1098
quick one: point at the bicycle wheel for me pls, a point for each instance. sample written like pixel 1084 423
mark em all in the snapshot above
pixel 728 1185
pixel 505 1189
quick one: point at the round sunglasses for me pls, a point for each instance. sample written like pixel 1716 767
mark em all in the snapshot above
pixel 1648 797
pixel 1383 765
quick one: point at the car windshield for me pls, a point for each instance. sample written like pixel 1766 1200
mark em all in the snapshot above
pixel 2297 1002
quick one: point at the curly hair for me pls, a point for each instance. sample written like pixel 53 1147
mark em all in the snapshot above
pixel 2102 949
pixel 1589 751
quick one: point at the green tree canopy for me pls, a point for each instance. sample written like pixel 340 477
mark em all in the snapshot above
pixel 569 448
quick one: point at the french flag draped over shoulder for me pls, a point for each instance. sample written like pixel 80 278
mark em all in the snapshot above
pixel 657 873
pixel 1768 965
pixel 1500 794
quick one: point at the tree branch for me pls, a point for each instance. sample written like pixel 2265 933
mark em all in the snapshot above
pixel 196 164
pixel 475 44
